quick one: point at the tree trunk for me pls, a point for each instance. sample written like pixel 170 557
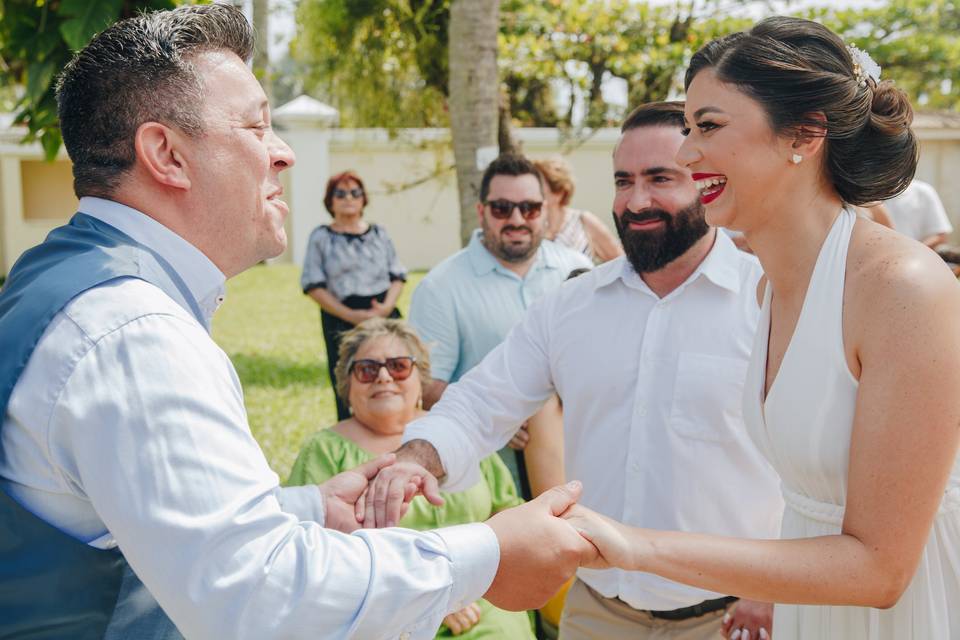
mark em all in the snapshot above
pixel 261 55
pixel 505 138
pixel 474 98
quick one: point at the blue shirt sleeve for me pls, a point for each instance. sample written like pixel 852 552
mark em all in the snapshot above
pixel 314 275
pixel 434 316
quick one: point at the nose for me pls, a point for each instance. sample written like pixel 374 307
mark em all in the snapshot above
pixel 688 154
pixel 281 155
pixel 640 198
pixel 383 375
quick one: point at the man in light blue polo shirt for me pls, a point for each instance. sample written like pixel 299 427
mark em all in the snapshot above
pixel 468 303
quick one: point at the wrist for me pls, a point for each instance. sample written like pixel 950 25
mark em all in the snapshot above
pixel 424 454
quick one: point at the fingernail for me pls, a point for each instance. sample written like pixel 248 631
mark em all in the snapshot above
pixel 735 635
pixel 573 485
pixel 726 618
pixel 763 634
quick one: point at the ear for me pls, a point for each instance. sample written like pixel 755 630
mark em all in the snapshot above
pixel 480 213
pixel 158 149
pixel 809 138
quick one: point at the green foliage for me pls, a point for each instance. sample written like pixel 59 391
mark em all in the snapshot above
pixel 271 332
pixel 37 38
pixel 916 43
pixel 377 61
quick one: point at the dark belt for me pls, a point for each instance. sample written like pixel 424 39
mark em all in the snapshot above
pixel 695 610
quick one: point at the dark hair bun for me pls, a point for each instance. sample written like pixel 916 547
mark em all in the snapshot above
pixel 880 161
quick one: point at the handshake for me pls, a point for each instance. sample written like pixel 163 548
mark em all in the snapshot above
pixel 542 542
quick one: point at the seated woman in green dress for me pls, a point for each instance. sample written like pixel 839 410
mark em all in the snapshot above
pixel 381 371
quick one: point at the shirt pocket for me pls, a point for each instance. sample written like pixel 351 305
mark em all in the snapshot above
pixel 708 397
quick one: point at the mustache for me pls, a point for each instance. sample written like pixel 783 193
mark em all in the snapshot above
pixel 646 215
pixel 515 227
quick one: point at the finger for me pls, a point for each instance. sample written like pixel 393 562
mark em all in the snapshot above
pixel 360 509
pixel 395 500
pixel 559 498
pixel 727 621
pixel 430 489
pixel 376 497
pixel 453 624
pixel 371 468
pixel 472 614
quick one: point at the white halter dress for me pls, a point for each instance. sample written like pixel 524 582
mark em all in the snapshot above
pixel 804 430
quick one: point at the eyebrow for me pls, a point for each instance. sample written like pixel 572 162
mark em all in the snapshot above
pixel 702 110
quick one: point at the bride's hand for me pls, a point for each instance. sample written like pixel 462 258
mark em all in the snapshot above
pixel 605 534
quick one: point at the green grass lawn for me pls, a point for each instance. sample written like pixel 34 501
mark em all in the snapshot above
pixel 271 331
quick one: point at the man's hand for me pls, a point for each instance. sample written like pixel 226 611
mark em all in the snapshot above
pixel 748 620
pixel 608 536
pixel 538 550
pixel 415 471
pixel 341 492
pixel 380 309
pixel 462 621
pixel 520 439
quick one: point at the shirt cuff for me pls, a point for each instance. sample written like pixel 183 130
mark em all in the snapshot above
pixel 304 502
pixel 474 553
pixel 459 464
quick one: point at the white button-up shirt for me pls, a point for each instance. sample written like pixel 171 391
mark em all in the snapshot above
pixel 652 391
pixel 127 428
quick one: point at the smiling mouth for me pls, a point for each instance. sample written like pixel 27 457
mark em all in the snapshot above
pixel 710 186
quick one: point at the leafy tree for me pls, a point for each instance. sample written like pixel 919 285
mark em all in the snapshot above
pixel 916 42
pixel 37 38
pixel 380 62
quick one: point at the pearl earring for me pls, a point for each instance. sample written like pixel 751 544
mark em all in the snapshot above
pixel 796 158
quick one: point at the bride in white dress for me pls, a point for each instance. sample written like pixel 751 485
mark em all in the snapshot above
pixel 854 388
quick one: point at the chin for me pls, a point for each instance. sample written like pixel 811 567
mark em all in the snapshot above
pixel 721 216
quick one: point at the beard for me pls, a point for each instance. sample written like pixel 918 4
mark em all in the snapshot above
pixel 650 251
pixel 508 251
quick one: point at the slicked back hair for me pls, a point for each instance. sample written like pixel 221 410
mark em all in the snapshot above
pixel 139 70
pixel 655 114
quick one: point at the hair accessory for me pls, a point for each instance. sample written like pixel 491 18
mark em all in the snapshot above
pixel 863 66
pixel 796 158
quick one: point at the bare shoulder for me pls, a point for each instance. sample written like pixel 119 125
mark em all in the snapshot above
pixel 898 280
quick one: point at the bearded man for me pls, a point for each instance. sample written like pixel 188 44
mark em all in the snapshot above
pixel 648 354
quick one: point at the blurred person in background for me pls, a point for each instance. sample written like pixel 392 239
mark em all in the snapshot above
pixel 574 228
pixel 351 269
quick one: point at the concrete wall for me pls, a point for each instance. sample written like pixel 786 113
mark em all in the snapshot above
pixel 410 179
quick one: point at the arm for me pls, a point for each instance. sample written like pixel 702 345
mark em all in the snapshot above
pixel 904 442
pixel 329 303
pixel 431 395
pixel 385 308
pixel 190 499
pixel 433 314
pixel 934 240
pixel 604 243
pixel 544 452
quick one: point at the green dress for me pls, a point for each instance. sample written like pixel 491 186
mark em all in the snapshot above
pixel 328 453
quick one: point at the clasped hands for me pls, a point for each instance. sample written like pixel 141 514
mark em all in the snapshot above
pixel 542 542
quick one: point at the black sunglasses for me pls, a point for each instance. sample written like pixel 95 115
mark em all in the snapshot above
pixel 503 209
pixel 343 193
pixel 399 368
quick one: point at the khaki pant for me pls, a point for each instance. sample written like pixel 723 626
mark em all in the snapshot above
pixel 589 616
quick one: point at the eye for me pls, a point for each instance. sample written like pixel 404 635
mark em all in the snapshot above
pixel 661 179
pixel 685 131
pixel 706 126
pixel 621 183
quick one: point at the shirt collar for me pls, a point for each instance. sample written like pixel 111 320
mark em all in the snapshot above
pixel 721 267
pixel 483 262
pixel 206 282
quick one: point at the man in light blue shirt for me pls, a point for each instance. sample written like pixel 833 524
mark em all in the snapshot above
pixel 468 303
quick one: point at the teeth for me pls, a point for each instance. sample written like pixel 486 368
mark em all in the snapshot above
pixel 710 182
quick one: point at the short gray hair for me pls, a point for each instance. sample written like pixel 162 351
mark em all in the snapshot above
pixel 139 70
